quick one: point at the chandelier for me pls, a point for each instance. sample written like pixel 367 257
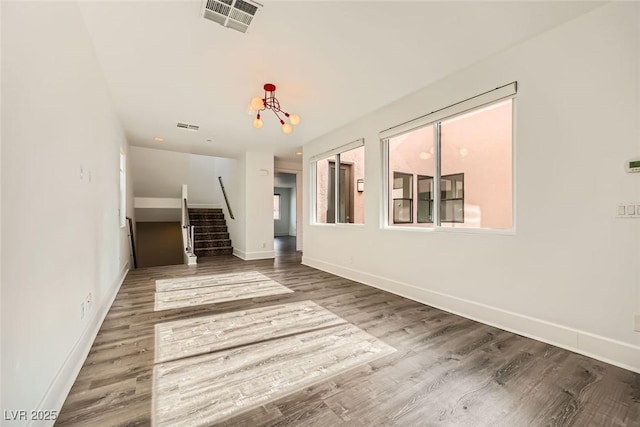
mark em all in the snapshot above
pixel 270 102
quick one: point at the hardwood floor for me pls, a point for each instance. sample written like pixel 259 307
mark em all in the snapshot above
pixel 446 370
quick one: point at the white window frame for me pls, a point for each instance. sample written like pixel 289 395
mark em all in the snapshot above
pixel 494 96
pixel 313 162
pixel 122 205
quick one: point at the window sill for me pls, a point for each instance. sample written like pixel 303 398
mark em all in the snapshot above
pixel 339 225
pixel 489 231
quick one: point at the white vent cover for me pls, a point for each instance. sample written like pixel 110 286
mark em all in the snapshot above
pixel 235 14
pixel 188 126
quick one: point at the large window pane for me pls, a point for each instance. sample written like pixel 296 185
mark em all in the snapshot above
pixel 476 169
pixel 425 199
pixel 411 171
pixel 402 198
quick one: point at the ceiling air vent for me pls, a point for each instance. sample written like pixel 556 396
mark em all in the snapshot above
pixel 235 14
pixel 188 126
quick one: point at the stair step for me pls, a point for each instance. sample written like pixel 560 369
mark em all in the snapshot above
pixel 205 210
pixel 204 244
pixel 210 235
pixel 228 250
pixel 208 222
pixel 211 229
pixel 201 216
pixel 210 232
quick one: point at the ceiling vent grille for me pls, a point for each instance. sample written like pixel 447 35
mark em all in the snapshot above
pixel 188 126
pixel 234 14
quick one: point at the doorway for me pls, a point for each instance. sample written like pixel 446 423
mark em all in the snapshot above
pixel 285 207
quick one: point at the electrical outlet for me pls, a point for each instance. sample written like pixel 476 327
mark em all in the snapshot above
pixel 81 310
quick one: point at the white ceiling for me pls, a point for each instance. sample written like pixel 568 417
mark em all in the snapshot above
pixel 331 61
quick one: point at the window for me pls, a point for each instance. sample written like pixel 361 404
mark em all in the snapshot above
pixel 122 211
pixel 276 206
pixel 455 170
pixel 337 197
pixel 402 198
pixel 425 199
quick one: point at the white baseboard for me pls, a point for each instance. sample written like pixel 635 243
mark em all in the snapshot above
pixel 61 385
pixel 611 351
pixel 248 256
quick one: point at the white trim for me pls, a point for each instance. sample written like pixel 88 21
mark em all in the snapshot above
pixel 158 203
pixel 341 149
pixel 431 229
pixel 60 387
pixel 489 97
pixel 248 256
pixel 605 349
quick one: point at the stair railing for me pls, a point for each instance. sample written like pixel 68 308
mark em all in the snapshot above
pixel 187 225
pixel 226 200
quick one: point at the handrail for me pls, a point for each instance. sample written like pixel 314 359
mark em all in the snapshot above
pixel 185 220
pixel 189 227
pixel 226 200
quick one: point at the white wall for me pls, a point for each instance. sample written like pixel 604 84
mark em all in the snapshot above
pixel 161 173
pixel 259 203
pixel 61 235
pixel 248 181
pixel 232 172
pixel 569 275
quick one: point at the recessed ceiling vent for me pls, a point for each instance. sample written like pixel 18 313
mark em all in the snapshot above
pixel 235 14
pixel 188 126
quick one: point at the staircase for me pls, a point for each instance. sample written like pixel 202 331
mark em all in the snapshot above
pixel 210 232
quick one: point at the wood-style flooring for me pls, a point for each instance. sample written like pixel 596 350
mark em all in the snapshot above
pixel 446 370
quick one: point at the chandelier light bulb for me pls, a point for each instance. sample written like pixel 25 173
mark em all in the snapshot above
pixel 294 119
pixel 257 103
pixel 257 122
pixel 286 128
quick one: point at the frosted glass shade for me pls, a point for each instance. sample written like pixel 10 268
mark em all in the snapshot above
pixel 257 103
